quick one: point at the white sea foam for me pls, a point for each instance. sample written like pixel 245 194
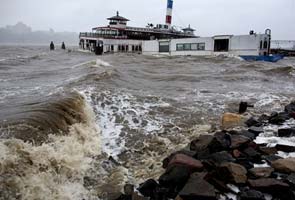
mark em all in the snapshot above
pixel 116 110
pixel 54 170
pixel 102 63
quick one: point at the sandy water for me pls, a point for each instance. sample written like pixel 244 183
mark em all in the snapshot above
pixel 64 113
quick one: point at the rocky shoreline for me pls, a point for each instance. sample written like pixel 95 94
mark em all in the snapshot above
pixel 228 164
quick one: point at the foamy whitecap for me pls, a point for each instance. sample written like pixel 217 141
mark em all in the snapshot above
pixel 53 170
pixel 102 63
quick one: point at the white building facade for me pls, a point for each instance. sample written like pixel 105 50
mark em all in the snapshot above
pixel 253 44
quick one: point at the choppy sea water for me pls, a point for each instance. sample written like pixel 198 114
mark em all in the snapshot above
pixel 64 113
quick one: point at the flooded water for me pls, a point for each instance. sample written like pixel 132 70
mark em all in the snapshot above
pixel 77 126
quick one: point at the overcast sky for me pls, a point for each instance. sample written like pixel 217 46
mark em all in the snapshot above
pixel 208 17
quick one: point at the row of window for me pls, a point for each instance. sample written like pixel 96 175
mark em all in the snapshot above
pixel 124 48
pixel 190 47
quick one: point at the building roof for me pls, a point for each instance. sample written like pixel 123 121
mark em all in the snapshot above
pixel 118 18
pixel 188 28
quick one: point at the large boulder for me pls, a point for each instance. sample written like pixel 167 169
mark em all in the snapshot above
pixel 268 150
pixel 269 185
pixel 256 130
pixel 231 120
pixel 217 159
pixel 232 172
pixel 220 141
pixel 253 122
pixel 174 179
pixel 201 143
pixel 278 118
pixel 167 160
pixel 182 159
pixel 290 109
pixel 251 195
pixel 148 188
pixel 286 132
pixel 238 141
pixel 252 154
pixel 286 165
pixel 271 158
pixel 197 188
pixel 261 172
pixel 285 148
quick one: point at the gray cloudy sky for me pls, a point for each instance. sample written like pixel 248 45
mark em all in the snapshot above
pixel 209 17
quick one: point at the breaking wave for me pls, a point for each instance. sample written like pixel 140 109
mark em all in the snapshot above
pixel 55 168
pixel 282 71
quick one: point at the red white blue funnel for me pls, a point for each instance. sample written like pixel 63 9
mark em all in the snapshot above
pixel 169 12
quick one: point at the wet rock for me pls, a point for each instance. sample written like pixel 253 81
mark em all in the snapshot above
pixel 237 154
pixel 238 140
pixel 248 134
pixel 245 163
pixel 269 185
pixel 290 109
pixel 201 143
pixel 174 179
pixel 167 160
pixel 148 188
pixel 220 157
pixel 197 188
pixel 256 130
pixel 278 118
pixel 218 184
pixel 253 122
pixel 269 159
pixel 286 165
pixel 232 172
pixel 243 107
pixel 191 163
pixel 251 195
pixel 221 142
pixel 285 148
pixel 230 120
pixel 291 179
pixel 252 154
pixel 268 150
pixel 262 172
pixel 286 132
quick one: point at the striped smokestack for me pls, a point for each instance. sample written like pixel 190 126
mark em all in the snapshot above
pixel 169 12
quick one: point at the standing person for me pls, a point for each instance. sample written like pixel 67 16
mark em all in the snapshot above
pixel 63 46
pixel 51 46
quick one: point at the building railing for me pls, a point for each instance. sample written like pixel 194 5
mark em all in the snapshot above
pixel 98 35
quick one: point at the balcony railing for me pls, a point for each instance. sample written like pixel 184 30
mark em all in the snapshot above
pixel 98 35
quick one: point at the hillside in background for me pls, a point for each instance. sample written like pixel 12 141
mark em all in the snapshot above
pixel 23 34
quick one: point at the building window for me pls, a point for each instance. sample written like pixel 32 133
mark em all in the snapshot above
pixel 201 46
pixel 194 47
pixel 112 47
pixel 187 47
pixel 164 47
pixel 179 47
pixel 261 43
pixel 190 47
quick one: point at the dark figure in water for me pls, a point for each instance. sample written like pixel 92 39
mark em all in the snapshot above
pixel 51 46
pixel 63 46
